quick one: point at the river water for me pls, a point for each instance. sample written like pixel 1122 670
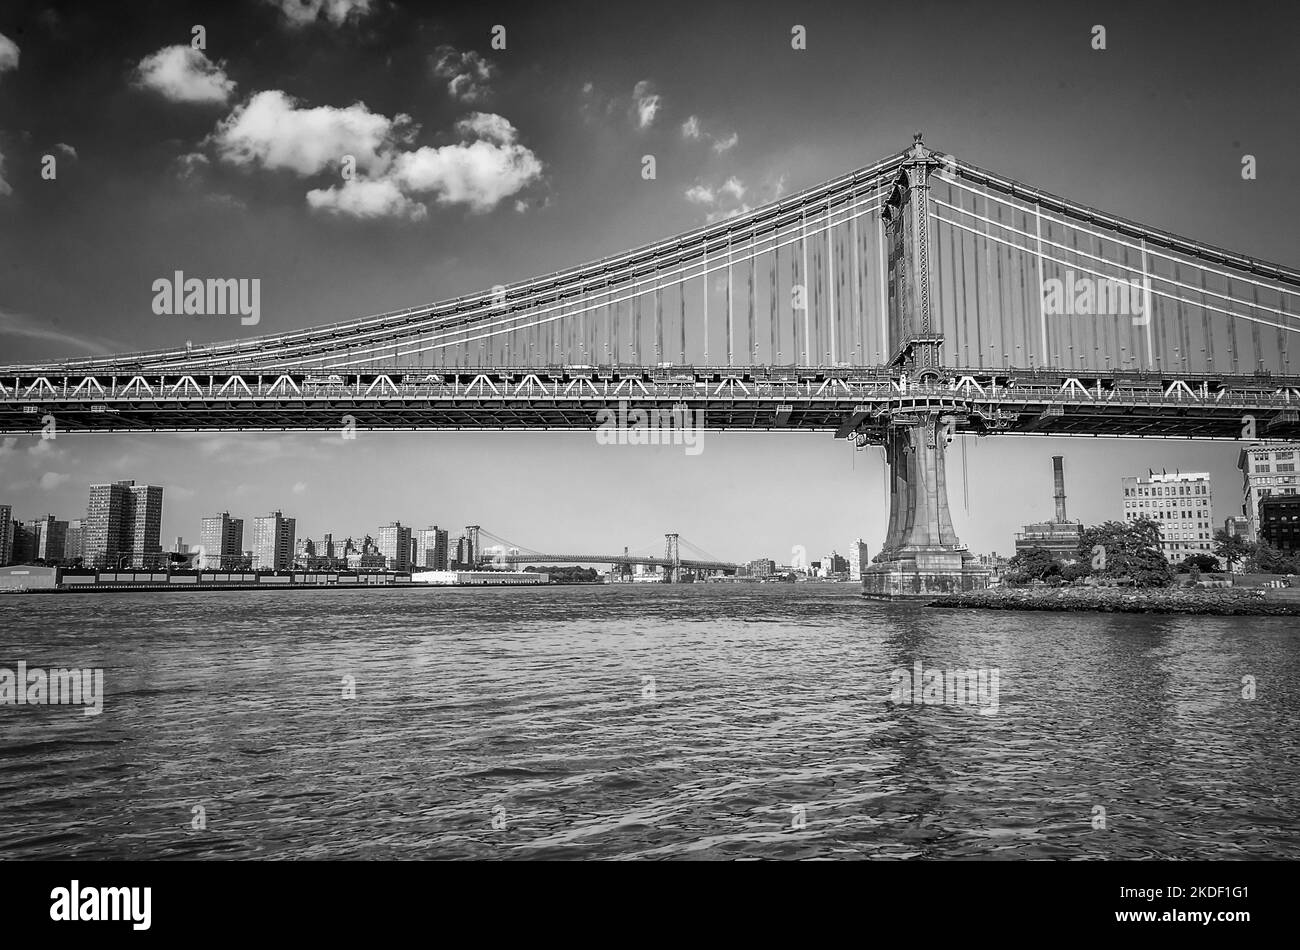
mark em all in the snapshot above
pixel 716 722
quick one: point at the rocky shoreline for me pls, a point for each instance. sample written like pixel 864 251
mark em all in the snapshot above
pixel 1220 602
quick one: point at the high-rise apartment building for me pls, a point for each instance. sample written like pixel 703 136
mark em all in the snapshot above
pixel 1181 503
pixel 394 544
pixel 431 549
pixel 222 540
pixel 146 525
pixel 6 535
pixel 273 542
pixel 124 525
pixel 24 542
pixel 1266 470
pixel 858 560
pixel 74 541
pixel 48 538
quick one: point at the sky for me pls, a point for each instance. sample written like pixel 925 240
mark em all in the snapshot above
pixel 478 166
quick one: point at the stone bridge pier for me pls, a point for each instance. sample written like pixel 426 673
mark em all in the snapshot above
pixel 921 554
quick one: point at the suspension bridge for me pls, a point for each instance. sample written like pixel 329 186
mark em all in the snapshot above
pixel 899 305
pixel 499 552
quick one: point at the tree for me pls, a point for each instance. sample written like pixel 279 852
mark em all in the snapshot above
pixel 1127 550
pixel 1075 570
pixel 1034 564
pixel 1266 559
pixel 1231 547
pixel 1203 563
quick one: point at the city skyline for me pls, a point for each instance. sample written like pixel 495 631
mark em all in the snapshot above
pixel 1101 503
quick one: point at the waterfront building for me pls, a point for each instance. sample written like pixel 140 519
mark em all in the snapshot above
pixel 24 542
pixel 1279 522
pixel 304 554
pixel 832 565
pixel 479 578
pixel 1060 535
pixel 74 541
pixel 394 545
pixel 49 536
pixel 431 548
pixel 760 567
pixel 1181 503
pixel 124 524
pixel 6 535
pixel 222 540
pixel 859 560
pixel 273 542
pixel 1266 470
pixel 365 561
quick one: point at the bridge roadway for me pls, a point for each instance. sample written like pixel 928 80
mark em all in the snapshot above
pixel 686 563
pixel 850 401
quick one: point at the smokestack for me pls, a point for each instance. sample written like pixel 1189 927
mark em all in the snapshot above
pixel 1058 479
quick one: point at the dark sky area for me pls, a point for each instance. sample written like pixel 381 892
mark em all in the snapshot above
pixel 485 166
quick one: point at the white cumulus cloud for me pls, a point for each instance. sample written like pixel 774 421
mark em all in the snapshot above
pixel 691 128
pixel 271 130
pixel 364 198
pixel 184 74
pixel 487 166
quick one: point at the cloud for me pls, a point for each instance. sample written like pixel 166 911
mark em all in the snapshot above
pixel 722 145
pixel 7 446
pixel 362 198
pixel 300 13
pixel 67 150
pixel 5 188
pixel 693 130
pixel 732 186
pixel 487 166
pixel 467 73
pixel 726 200
pixel 8 54
pixel 52 480
pixel 271 130
pixel 184 74
pixel 646 102
pixel 299 488
pixel 178 492
pixel 392 179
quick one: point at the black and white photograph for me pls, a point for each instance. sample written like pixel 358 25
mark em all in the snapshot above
pixel 709 432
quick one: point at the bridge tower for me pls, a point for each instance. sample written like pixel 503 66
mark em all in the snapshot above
pixel 921 554
pixel 474 555
pixel 672 554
